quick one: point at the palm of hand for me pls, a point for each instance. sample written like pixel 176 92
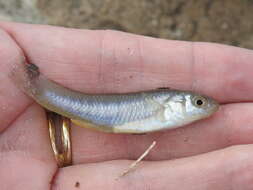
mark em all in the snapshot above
pixel 97 61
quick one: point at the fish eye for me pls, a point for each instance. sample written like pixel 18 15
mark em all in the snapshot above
pixel 199 101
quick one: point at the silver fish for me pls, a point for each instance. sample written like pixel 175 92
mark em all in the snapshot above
pixel 139 112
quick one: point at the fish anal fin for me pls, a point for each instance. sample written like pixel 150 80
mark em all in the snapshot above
pixel 89 125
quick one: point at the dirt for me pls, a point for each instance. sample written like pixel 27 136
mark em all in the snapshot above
pixel 226 21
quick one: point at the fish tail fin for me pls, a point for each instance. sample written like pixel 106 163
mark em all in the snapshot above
pixel 24 76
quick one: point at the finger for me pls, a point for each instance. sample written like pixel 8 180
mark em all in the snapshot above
pixel 227 169
pixel 25 153
pixel 12 101
pixel 106 61
pixel 231 125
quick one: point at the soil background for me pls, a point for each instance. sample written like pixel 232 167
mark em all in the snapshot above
pixel 223 21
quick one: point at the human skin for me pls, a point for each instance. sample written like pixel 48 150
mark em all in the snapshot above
pixel 215 153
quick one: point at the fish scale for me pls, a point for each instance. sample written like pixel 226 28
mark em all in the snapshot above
pixel 137 112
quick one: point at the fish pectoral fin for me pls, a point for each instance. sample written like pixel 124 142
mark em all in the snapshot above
pixel 154 102
pixel 89 125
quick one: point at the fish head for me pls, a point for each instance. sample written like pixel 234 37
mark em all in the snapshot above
pixel 184 108
pixel 199 106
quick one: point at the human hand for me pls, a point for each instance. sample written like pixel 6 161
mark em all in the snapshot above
pixel 215 153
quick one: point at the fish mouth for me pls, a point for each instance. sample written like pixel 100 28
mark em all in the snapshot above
pixel 214 106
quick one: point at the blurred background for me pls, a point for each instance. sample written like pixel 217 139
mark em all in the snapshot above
pixel 223 21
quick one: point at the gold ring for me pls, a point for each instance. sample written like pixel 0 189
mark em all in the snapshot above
pixel 59 132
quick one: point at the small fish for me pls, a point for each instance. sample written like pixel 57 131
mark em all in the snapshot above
pixel 139 112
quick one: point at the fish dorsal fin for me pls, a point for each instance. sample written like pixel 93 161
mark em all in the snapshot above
pixel 163 88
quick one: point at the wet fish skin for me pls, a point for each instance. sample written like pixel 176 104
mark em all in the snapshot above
pixel 138 112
